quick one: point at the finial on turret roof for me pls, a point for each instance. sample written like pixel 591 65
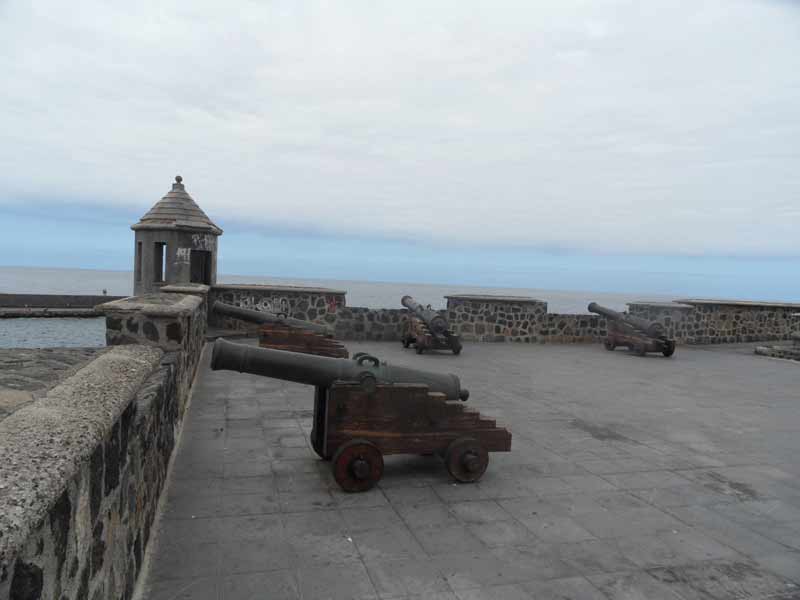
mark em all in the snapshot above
pixel 178 178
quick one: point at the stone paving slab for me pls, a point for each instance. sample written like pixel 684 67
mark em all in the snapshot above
pixel 628 478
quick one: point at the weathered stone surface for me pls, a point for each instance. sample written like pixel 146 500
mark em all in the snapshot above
pixel 27 582
pixel 44 444
pixel 26 373
pixel 721 322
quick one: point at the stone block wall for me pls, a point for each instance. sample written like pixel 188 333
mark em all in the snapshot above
pixel 83 467
pixel 572 328
pixel 174 322
pixel 82 471
pixel 308 304
pixel 358 323
pixel 511 318
pixel 518 319
pixel 720 322
pixel 496 318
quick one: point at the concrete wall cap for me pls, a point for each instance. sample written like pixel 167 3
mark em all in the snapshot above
pixel 277 288
pixel 490 298
pixel 675 304
pixel 43 444
pixel 744 303
pixel 153 305
pixel 186 288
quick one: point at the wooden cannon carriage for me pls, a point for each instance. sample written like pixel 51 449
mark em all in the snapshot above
pixel 638 335
pixel 365 409
pixel 281 332
pixel 426 329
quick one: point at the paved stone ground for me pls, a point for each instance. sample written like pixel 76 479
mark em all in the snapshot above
pixel 26 374
pixel 629 478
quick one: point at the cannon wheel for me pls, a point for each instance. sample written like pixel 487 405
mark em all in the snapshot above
pixel 357 465
pixel 669 350
pixel 466 459
pixel 609 345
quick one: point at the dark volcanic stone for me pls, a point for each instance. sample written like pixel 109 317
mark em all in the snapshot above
pixel 174 332
pixel 150 331
pixel 60 518
pixel 73 569
pixel 96 492
pixel 98 548
pixel 27 582
pixel 112 460
pixel 132 325
pixel 113 323
pixel 83 590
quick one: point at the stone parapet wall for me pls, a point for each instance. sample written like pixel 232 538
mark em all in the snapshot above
pixel 519 319
pixel 53 300
pixel 571 328
pixel 483 318
pixel 174 322
pixel 720 322
pixel 308 304
pixel 82 470
pixel 496 318
pixel 358 323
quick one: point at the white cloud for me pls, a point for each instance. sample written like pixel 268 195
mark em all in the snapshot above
pixel 627 126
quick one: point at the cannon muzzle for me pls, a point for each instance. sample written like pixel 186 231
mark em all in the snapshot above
pixel 436 323
pixel 264 318
pixel 323 371
pixel 653 329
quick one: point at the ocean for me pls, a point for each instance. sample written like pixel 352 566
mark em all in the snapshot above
pixel 31 333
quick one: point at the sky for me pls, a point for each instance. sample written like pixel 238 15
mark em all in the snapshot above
pixel 563 144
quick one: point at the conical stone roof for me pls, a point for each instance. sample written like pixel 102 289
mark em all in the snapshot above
pixel 177 210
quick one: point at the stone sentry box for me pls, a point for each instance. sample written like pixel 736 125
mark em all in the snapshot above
pixel 175 243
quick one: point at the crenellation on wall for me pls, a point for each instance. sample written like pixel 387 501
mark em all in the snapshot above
pixel 319 305
pixel 485 318
pixel 721 322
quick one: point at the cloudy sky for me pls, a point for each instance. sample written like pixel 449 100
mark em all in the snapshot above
pixel 316 133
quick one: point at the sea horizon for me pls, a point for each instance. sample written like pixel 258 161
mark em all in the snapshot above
pixel 368 293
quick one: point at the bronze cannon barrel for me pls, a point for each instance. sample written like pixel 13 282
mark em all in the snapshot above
pixel 653 329
pixel 323 371
pixel 435 322
pixel 262 317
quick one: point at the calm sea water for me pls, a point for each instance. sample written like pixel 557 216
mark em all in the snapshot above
pixel 373 294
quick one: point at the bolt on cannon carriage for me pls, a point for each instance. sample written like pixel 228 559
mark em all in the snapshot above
pixel 427 329
pixel 365 409
pixel 638 335
pixel 282 332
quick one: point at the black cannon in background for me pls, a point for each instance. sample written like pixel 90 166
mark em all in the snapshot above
pixel 281 332
pixel 638 335
pixel 427 329
pixel 262 317
pixel 364 409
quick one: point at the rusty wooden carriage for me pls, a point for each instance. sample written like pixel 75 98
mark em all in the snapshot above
pixel 355 430
pixel 365 409
pixel 426 329
pixel 281 332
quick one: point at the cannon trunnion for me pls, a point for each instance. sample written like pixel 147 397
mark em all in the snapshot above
pixel 365 409
pixel 426 329
pixel 638 335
